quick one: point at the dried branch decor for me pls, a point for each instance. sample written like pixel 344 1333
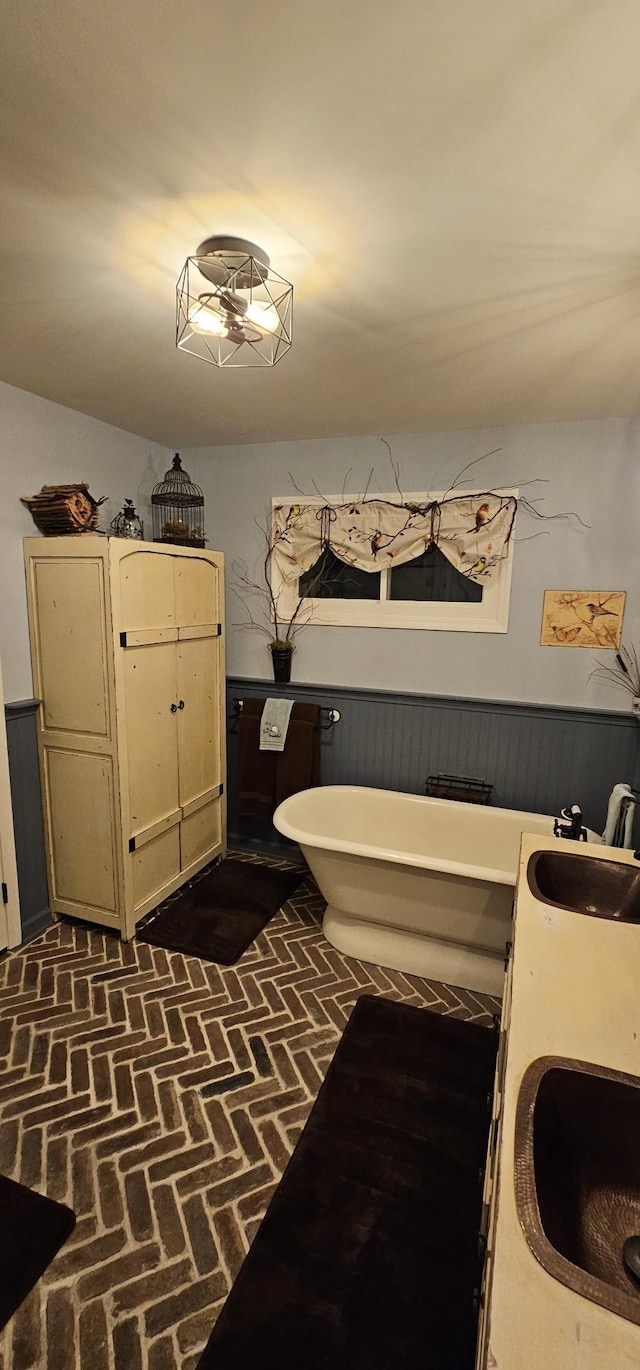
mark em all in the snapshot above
pixel 472 530
pixel 625 672
pixel 249 591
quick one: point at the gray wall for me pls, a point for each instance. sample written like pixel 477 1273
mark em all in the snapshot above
pixel 593 468
pixel 43 444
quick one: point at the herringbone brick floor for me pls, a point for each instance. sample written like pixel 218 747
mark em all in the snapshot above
pixel 160 1097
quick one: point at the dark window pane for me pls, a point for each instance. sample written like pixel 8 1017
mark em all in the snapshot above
pixel 331 578
pixel 432 577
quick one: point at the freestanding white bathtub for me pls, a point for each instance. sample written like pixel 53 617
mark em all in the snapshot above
pixel 420 885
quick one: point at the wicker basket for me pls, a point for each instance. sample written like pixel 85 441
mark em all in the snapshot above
pixel 62 509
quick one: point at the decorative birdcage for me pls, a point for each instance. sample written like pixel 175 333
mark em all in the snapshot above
pixel 178 508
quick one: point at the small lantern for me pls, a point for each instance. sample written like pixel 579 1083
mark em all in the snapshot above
pixel 127 524
pixel 178 509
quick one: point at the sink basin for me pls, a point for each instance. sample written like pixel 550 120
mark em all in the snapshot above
pixel 586 884
pixel 577 1177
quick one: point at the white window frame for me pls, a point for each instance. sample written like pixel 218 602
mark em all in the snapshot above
pixel 490 616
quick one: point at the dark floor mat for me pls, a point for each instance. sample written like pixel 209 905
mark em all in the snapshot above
pixel 218 915
pixel 32 1229
pixel 367 1257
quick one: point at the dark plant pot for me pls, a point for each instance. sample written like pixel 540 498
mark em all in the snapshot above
pixel 281 657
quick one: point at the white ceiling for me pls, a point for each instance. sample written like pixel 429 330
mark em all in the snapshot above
pixel 453 186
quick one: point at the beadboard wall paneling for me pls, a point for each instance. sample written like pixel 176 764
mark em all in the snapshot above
pixel 24 773
pixel 537 757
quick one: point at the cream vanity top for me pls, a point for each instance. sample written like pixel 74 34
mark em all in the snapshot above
pixel 573 991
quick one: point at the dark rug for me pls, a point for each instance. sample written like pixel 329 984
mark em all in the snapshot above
pixel 32 1229
pixel 367 1257
pixel 219 914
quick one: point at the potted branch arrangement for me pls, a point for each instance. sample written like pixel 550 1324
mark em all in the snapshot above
pixel 626 673
pixel 261 592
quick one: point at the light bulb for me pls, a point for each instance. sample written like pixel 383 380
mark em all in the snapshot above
pixel 203 319
pixel 221 311
pixel 263 316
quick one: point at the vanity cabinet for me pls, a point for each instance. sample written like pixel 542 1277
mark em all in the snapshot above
pixel 489 1206
pixel 570 1000
pixel 128 662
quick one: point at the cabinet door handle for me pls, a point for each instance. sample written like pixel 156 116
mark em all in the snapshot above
pixel 174 708
pixel 181 704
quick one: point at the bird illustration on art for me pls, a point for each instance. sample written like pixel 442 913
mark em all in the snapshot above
pixel 482 514
pixel 477 568
pixel 599 611
pixel 595 614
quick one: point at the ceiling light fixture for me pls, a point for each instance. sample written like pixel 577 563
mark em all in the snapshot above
pixel 232 308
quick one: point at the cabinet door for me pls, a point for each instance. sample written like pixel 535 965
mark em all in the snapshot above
pixel 80 824
pixel 199 749
pixel 70 656
pixel 200 769
pixel 151 737
pixel 197 591
pixel 147 595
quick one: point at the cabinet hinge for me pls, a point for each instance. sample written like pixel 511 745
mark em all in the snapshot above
pixel 219 627
pixel 5 893
pixel 222 789
pixel 123 639
pixel 132 844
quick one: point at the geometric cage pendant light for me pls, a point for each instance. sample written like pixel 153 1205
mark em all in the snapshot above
pixel 232 308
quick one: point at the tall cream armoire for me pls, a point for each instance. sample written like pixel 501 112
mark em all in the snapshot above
pixel 128 661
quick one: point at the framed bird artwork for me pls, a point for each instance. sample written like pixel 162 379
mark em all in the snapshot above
pixel 583 618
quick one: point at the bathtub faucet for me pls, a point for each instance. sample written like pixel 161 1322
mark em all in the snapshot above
pixel 569 824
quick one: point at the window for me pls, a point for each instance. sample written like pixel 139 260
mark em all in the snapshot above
pixel 427 591
pixel 432 578
pixel 331 578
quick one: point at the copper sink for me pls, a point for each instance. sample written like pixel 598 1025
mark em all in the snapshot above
pixel 577 1177
pixel 586 884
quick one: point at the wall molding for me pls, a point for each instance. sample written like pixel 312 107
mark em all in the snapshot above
pixel 35 923
pixel 21 708
pixel 303 690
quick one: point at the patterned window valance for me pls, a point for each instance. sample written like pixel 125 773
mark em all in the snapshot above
pixel 472 531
